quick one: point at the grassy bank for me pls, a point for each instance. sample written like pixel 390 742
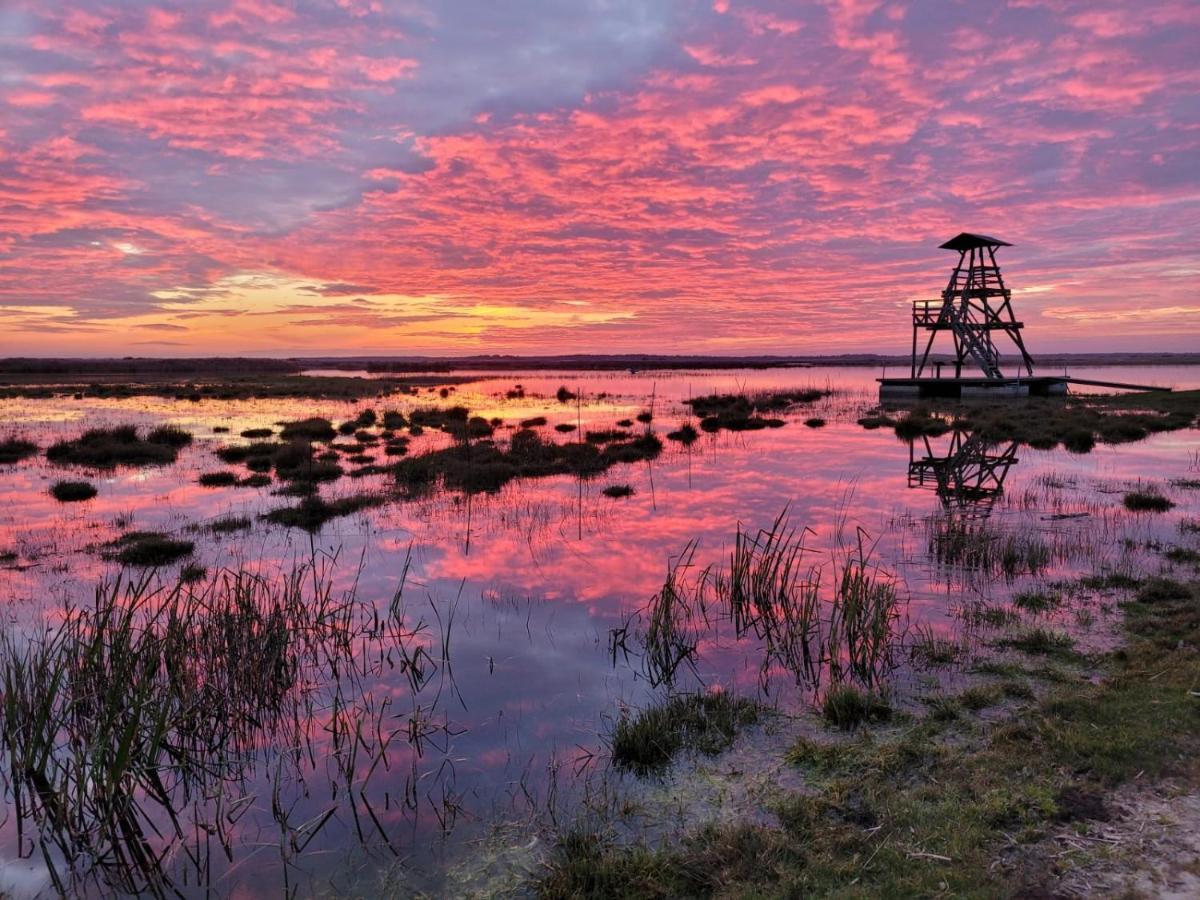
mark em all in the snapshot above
pixel 952 802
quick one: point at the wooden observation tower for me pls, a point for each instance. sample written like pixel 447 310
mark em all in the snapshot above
pixel 973 309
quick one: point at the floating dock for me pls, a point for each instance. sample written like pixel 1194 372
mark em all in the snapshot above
pixel 980 387
pixel 918 388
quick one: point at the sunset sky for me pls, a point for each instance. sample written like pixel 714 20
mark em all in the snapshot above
pixel 463 176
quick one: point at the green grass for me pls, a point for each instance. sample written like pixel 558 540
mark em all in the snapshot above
pixel 847 707
pixel 72 491
pixel 708 723
pixel 927 809
pixel 1036 601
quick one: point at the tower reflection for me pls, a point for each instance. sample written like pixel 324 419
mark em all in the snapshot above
pixel 967 473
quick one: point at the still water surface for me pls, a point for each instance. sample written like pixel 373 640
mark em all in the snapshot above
pixel 528 605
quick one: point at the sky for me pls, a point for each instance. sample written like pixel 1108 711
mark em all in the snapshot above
pixel 311 177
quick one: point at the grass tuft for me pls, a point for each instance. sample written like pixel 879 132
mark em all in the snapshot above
pixel 72 491
pixel 708 723
pixel 847 707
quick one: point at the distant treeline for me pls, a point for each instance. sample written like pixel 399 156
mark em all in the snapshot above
pixel 131 365
pixel 578 362
pixel 650 362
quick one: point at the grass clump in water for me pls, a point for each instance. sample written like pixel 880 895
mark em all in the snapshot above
pixel 931 650
pixel 1146 501
pixel 847 707
pixel 685 434
pixel 149 548
pixel 1040 642
pixel 742 412
pixel 313 512
pixel 14 449
pixel 314 428
pixel 618 490
pixel 229 524
pixel 815 422
pixel 257 433
pixel 708 723
pixel 218 479
pixel 1036 601
pixel 107 448
pixel 73 491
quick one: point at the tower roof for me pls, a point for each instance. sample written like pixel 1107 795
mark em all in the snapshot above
pixel 967 241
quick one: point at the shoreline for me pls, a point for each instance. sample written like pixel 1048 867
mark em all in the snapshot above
pixel 22 368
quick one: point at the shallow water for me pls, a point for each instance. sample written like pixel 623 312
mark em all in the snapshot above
pixel 532 603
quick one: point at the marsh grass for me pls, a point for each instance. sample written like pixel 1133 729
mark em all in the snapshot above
pixel 1149 500
pixel 314 428
pixel 707 723
pixel 483 466
pixel 928 809
pixel 312 512
pixel 685 434
pixel 976 544
pixel 931 650
pixel 617 491
pixel 769 591
pixel 14 449
pixel 742 412
pixel 675 617
pixel 847 707
pixel 72 491
pixel 148 549
pixel 1037 601
pixel 217 479
pixel 1040 642
pixel 132 724
pixel 107 448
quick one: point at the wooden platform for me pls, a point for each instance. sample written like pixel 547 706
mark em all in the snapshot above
pixel 916 388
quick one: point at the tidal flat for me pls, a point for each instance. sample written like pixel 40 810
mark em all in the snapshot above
pixel 672 633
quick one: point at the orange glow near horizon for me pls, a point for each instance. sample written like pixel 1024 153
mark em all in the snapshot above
pixel 246 176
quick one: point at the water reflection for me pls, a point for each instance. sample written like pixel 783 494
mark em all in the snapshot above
pixel 967 472
pixel 559 606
